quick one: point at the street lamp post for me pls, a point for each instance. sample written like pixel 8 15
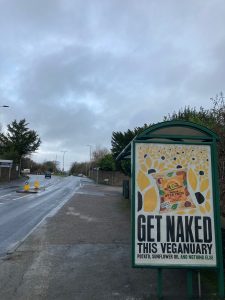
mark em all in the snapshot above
pixel 90 146
pixel 63 160
pixel 0 129
pixel 4 106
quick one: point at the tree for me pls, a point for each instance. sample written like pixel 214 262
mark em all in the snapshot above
pixel 19 140
pixel 213 118
pixel 78 168
pixel 50 166
pixel 119 141
pixel 107 163
pixel 101 158
pixel 97 155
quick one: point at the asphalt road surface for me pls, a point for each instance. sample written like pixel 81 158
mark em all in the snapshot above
pixel 20 213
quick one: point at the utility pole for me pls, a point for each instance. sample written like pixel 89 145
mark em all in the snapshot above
pixel 4 107
pixel 90 146
pixel 55 163
pixel 63 160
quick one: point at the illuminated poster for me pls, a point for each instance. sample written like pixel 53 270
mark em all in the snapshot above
pixel 174 217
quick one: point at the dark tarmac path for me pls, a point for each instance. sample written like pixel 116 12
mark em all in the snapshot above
pixel 84 253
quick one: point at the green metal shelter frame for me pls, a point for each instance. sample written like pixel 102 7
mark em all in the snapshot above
pixel 187 133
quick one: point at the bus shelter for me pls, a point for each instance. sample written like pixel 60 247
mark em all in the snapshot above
pixel 6 164
pixel 175 201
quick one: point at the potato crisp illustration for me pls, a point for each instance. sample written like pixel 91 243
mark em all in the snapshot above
pixel 173 191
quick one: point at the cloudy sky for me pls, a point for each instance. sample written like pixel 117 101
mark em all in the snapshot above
pixel 78 70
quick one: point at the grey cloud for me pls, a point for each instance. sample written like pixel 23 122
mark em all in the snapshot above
pixel 78 70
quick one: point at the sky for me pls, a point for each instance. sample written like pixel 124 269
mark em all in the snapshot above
pixel 79 70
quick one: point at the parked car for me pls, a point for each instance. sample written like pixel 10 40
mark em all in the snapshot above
pixel 48 175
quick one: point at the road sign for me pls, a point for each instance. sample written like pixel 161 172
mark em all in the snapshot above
pixel 6 163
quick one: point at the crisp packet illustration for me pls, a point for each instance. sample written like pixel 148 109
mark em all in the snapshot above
pixel 173 191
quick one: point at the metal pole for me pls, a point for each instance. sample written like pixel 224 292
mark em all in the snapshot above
pixel 97 175
pixel 220 272
pixel 20 165
pixel 159 283
pixel 189 284
pixel 199 285
pixel 63 160
pixel 55 162
pixel 10 173
pixel 90 161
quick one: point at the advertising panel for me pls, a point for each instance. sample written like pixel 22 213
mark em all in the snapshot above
pixel 173 206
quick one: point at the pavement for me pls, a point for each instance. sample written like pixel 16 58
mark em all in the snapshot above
pixel 84 252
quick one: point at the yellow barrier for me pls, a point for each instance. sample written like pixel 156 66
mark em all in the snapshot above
pixel 36 184
pixel 26 187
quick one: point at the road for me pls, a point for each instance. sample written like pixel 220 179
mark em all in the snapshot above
pixel 20 213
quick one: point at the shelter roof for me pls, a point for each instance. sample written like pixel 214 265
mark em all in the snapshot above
pixel 174 131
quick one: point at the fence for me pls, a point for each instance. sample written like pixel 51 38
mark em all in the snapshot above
pixel 115 178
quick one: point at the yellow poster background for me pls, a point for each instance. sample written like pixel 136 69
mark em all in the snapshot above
pixel 195 160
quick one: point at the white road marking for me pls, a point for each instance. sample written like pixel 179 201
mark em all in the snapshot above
pixel 20 197
pixel 1 203
pixel 50 214
pixel 6 195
